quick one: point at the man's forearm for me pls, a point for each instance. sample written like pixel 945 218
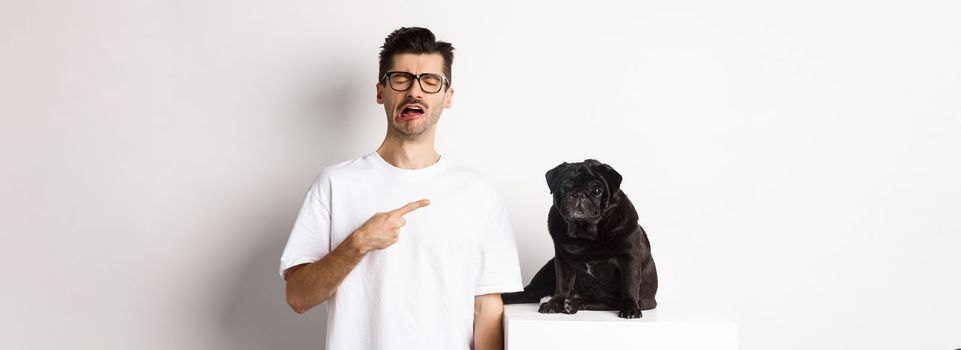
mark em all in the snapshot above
pixel 311 284
pixel 488 324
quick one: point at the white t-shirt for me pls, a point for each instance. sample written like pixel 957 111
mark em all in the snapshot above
pixel 419 292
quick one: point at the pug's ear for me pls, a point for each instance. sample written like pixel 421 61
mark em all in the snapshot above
pixel 612 177
pixel 553 175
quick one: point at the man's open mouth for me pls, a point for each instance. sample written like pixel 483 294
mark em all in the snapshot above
pixel 411 111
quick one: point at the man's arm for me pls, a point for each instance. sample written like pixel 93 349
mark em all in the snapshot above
pixel 311 284
pixel 488 322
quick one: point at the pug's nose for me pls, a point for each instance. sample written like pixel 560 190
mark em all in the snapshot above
pixel 579 195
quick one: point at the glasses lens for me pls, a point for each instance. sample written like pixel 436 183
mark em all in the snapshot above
pixel 400 81
pixel 431 82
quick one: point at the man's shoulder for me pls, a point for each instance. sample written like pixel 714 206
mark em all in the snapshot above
pixel 470 175
pixel 341 169
pixel 347 165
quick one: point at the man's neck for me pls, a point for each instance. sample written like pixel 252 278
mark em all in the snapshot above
pixel 408 154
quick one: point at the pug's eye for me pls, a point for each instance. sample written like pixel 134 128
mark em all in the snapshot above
pixel 596 191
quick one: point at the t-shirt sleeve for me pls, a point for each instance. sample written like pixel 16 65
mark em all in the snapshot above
pixel 499 270
pixel 309 239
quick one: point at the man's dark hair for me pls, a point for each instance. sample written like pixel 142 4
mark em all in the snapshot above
pixel 414 40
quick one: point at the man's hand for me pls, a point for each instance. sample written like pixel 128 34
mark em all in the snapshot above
pixel 383 229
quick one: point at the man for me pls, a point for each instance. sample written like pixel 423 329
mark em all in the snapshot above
pixel 427 269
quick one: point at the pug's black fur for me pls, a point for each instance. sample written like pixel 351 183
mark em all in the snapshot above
pixel 602 257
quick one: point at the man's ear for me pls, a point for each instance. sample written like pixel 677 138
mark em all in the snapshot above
pixel 610 175
pixel 380 93
pixel 449 94
pixel 554 174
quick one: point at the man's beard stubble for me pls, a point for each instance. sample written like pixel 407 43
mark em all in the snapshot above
pixel 404 129
pixel 429 120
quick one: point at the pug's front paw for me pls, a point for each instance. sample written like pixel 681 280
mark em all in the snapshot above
pixel 629 309
pixel 553 306
pixel 571 305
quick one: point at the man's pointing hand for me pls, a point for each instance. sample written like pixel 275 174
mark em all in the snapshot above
pixel 383 229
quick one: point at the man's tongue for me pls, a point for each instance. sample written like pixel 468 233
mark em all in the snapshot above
pixel 409 113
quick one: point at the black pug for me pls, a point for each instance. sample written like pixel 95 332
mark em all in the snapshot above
pixel 602 257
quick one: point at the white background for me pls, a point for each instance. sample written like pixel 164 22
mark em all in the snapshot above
pixel 796 164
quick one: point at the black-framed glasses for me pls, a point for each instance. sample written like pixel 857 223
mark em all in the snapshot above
pixel 402 81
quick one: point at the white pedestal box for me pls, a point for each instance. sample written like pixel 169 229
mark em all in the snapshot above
pixel 658 329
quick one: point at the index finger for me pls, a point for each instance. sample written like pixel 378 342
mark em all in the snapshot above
pixel 410 207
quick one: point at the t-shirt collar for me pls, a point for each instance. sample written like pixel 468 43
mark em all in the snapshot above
pixel 438 166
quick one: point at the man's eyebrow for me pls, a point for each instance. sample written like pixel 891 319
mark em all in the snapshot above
pixel 404 71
